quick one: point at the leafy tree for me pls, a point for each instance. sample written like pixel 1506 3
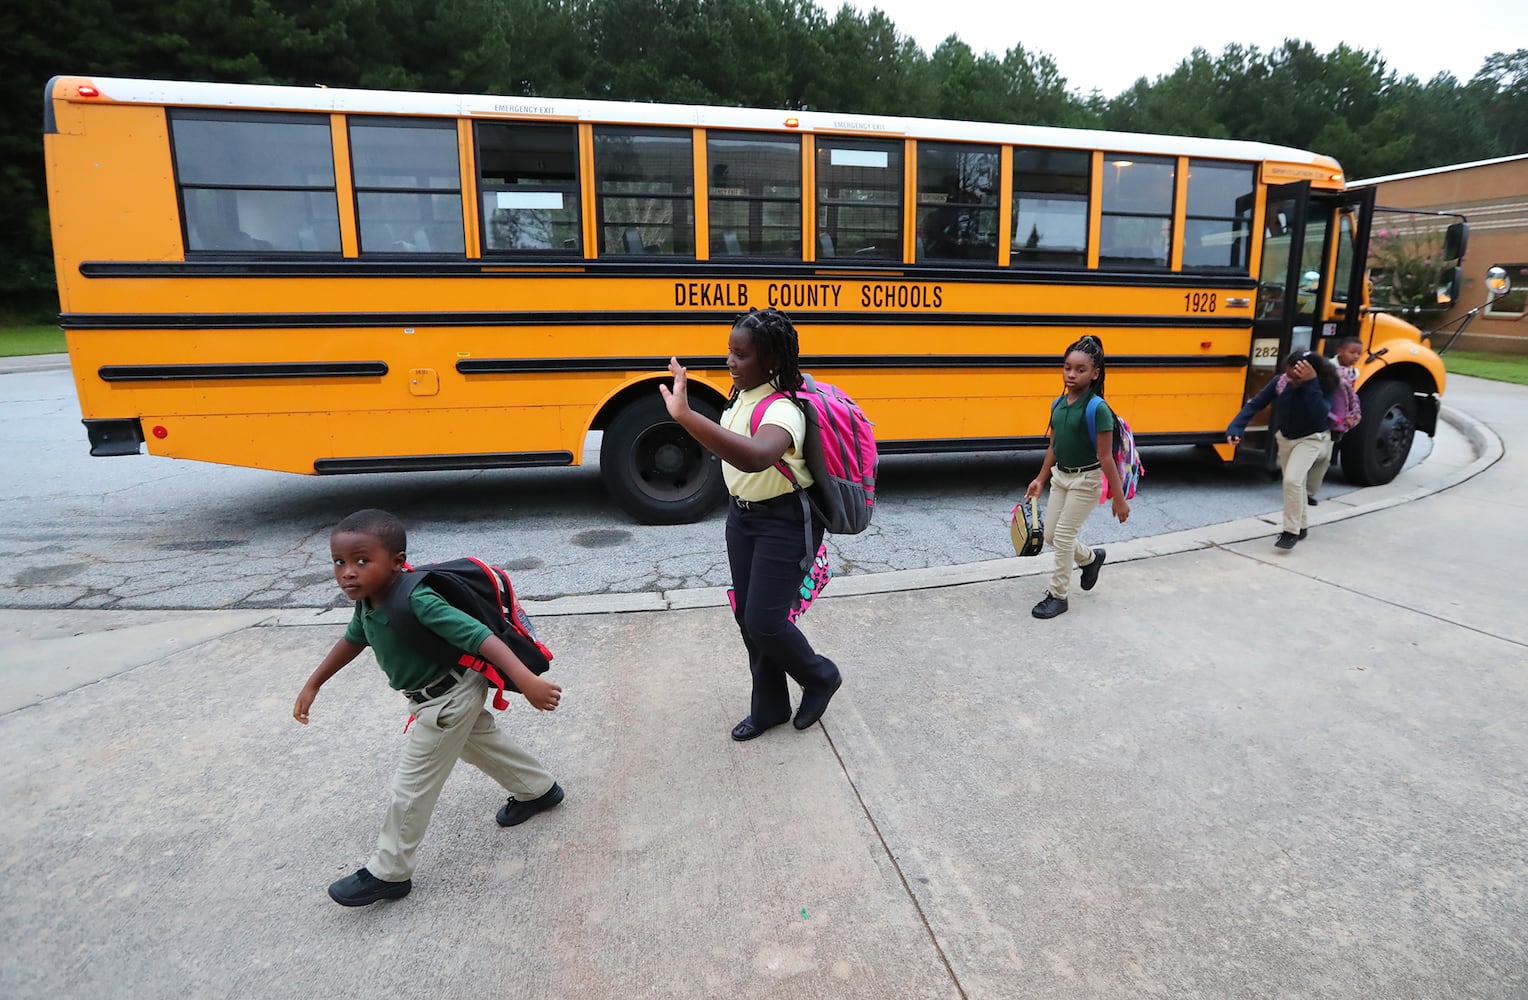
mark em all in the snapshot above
pixel 787 54
pixel 1501 89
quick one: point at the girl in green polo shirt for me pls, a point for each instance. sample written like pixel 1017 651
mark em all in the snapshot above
pixel 1076 465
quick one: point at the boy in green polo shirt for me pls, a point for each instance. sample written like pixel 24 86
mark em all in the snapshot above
pixel 449 721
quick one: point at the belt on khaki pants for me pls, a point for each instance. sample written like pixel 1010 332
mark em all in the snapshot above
pixel 435 690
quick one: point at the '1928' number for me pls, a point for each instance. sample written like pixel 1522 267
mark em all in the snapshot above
pixel 1199 302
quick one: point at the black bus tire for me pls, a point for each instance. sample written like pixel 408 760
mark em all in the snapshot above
pixel 654 470
pixel 1375 451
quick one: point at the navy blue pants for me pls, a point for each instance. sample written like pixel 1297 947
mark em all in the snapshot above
pixel 764 548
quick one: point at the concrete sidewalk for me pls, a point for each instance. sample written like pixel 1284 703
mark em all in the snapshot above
pixel 1226 772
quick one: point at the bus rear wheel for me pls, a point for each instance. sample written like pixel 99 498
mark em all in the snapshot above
pixel 1374 452
pixel 653 469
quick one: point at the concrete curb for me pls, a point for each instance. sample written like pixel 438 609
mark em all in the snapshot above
pixel 34 363
pixel 1483 442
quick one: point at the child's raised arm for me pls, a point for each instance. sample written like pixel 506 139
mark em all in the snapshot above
pixel 750 454
pixel 541 693
pixel 343 652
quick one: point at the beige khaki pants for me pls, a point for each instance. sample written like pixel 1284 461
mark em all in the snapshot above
pixel 1304 461
pixel 455 725
pixel 1073 495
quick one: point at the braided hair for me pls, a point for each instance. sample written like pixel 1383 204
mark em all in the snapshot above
pixel 1093 348
pixel 774 336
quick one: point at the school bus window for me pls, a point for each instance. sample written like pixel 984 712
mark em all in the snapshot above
pixel 1344 270
pixel 957 202
pixel 645 184
pixel 1050 206
pixel 859 199
pixel 528 184
pixel 755 195
pixel 1137 222
pixel 255 182
pixel 1215 229
pixel 407 187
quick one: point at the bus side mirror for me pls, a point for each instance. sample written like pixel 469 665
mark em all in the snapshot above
pixel 1449 290
pixel 1497 283
pixel 1455 239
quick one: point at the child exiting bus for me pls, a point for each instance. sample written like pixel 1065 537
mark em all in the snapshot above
pixel 1303 432
pixel 1077 464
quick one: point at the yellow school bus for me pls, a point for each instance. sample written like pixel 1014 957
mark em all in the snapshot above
pixel 340 281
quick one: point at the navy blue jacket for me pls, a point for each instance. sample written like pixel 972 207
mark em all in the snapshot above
pixel 1303 409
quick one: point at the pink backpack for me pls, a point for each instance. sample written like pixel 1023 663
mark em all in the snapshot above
pixel 840 452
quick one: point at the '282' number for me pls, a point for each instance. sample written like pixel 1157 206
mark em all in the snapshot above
pixel 1199 302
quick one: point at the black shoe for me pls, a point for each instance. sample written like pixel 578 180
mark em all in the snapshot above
pixel 515 812
pixel 1311 501
pixel 1090 571
pixel 1286 540
pixel 1050 607
pixel 363 888
pixel 750 730
pixel 815 702
pixel 1303 533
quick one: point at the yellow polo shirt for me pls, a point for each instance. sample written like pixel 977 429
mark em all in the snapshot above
pixel 770 483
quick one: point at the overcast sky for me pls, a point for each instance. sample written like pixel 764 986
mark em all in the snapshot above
pixel 1107 44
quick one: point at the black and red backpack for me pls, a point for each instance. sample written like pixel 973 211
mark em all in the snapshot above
pixel 482 592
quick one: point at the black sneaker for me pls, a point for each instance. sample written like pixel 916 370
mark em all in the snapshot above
pixel 1311 501
pixel 363 888
pixel 1286 540
pixel 1303 533
pixel 514 812
pixel 1050 606
pixel 1090 571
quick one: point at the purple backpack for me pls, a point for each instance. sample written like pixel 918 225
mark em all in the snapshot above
pixel 1346 411
pixel 840 452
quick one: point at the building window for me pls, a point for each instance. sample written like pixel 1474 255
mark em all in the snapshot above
pixel 408 192
pixel 255 183
pixel 1137 225
pixel 645 184
pixel 957 202
pixel 755 195
pixel 1050 207
pixel 528 183
pixel 859 199
pixel 1513 305
pixel 1219 217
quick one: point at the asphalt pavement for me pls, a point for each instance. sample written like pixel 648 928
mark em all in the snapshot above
pixel 1228 771
pixel 151 533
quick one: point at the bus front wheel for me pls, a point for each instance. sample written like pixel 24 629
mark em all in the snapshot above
pixel 1374 452
pixel 653 469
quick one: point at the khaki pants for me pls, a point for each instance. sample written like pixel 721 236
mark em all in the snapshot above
pixel 454 725
pixel 1073 495
pixel 1304 461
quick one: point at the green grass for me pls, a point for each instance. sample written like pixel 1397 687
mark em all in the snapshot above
pixel 39 338
pixel 1501 367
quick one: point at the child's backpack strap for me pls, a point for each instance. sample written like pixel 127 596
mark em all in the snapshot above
pixel 1093 404
pixel 481 592
pixel 755 421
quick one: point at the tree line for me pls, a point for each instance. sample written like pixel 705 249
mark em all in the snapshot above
pixel 788 54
